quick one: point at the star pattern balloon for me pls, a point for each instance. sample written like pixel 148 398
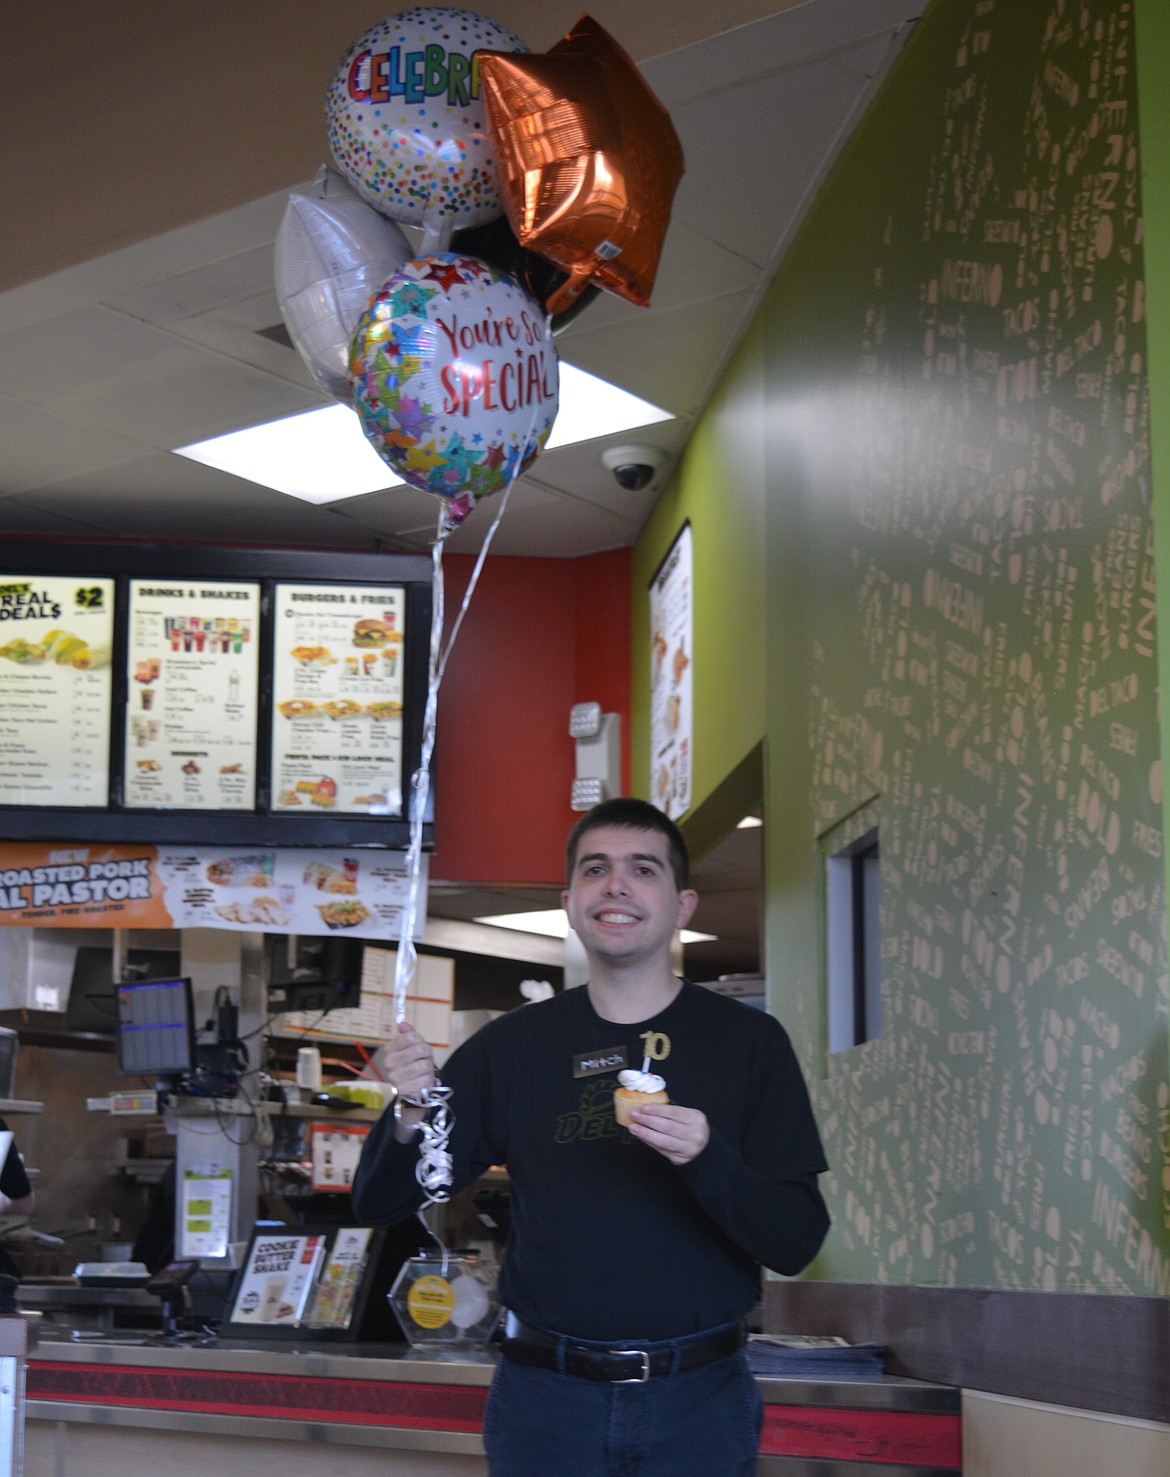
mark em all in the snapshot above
pixel 454 378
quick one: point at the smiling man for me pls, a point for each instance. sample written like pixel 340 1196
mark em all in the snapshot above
pixel 635 1250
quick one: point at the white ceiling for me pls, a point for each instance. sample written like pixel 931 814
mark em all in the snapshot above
pixel 108 364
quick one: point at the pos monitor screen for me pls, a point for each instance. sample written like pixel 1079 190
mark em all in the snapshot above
pixel 156 1028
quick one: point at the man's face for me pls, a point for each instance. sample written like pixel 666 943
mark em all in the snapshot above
pixel 622 899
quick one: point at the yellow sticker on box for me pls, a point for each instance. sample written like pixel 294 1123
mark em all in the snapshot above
pixel 431 1302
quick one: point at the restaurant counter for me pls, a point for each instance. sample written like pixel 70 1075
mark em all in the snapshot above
pixel 112 1406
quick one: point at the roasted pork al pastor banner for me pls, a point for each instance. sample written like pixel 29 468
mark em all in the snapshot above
pixel 360 893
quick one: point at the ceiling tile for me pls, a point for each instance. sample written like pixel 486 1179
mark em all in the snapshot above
pixel 186 396
pixel 749 161
pixel 53 360
pixel 40 447
pixel 187 294
pixel 22 519
pixel 668 358
pixel 157 499
pixel 790 38
pixel 545 526
pixel 235 332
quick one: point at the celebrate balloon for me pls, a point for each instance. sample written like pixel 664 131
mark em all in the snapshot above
pixel 454 378
pixel 406 123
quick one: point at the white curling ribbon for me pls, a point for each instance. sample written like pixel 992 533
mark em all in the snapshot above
pixel 435 1164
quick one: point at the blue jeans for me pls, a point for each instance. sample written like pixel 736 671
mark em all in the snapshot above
pixel 703 1422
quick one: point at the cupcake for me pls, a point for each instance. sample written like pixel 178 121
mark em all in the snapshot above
pixel 637 1090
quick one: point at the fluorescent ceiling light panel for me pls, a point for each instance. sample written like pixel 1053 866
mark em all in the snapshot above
pixel 322 456
pixel 592 407
pixel 319 456
pixel 554 924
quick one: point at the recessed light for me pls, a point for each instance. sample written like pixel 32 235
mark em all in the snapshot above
pixel 748 822
pixel 592 407
pixel 321 456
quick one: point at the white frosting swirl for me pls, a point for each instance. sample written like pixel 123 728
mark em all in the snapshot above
pixel 641 1081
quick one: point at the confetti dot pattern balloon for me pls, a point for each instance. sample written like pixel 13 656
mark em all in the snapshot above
pixel 406 123
pixel 455 378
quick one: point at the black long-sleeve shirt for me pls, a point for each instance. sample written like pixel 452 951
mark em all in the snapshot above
pixel 609 1240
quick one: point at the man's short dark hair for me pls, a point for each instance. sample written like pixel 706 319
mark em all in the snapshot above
pixel 631 815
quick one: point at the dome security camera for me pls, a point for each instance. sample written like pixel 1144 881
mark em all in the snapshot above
pixel 633 467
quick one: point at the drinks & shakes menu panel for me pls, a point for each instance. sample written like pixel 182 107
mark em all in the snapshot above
pixel 56 689
pixel 337 689
pixel 192 695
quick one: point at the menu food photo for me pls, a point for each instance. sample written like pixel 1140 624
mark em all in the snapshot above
pixel 671 675
pixel 336 1292
pixel 192 670
pixel 56 689
pixel 337 689
pixel 362 892
pixel 275 1284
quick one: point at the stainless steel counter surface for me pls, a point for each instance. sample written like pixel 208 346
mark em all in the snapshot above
pixel 267 1356
pixel 400 1363
pixel 261 1404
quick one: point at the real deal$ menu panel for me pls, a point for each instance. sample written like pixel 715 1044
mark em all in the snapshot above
pixel 192 695
pixel 56 640
pixel 337 688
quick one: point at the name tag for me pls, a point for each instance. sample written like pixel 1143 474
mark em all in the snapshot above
pixel 594 1063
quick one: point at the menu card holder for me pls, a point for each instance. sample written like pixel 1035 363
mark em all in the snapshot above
pixel 317 1284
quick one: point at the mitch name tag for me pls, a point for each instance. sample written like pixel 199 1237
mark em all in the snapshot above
pixel 594 1063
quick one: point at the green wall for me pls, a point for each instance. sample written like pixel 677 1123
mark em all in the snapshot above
pixel 1153 69
pixel 957 601
pixel 720 490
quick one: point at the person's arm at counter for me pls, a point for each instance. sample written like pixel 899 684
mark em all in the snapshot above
pixel 16 1192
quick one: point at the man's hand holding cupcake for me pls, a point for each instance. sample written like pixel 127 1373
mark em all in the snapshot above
pixel 641 1104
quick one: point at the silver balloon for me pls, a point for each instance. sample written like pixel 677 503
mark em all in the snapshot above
pixel 333 252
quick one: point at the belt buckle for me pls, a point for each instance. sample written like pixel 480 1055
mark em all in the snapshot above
pixel 639 1379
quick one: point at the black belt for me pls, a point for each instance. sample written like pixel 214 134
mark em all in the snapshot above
pixel 526 1344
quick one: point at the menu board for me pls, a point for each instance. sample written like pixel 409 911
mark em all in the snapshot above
pixel 671 704
pixel 337 689
pixel 192 695
pixel 56 640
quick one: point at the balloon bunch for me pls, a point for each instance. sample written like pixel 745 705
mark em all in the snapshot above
pixel 535 181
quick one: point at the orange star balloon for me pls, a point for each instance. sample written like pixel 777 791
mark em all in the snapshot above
pixel 587 158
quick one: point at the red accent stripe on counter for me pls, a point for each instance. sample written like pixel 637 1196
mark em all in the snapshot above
pixel 282 1397
pixel 899 1438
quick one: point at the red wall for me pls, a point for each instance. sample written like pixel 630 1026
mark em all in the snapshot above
pixel 539 636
